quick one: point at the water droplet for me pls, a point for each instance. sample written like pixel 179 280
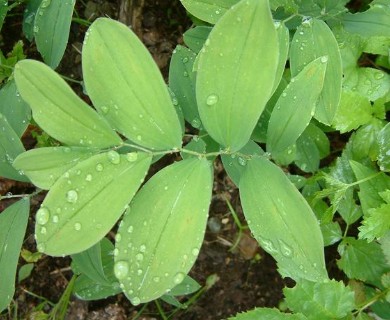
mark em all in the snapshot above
pixel 166 188
pixel 115 252
pixel 324 59
pixel 139 271
pixel 43 215
pixel 156 279
pixel 36 29
pixel 72 196
pixel 178 278
pixel 118 237
pixel 135 301
pixel 121 269
pixel 286 250
pixel 142 248
pixel 99 167
pixel 88 177
pixel 55 219
pixel 41 247
pixel 77 226
pixel 132 156
pixel 267 245
pixel 130 229
pixel 242 161
pixel 185 60
pixel 195 252
pixel 104 109
pixel 195 123
pixel 113 157
pixel 45 3
pixel 379 75
pixel 139 256
pixel 212 99
pixel 207 42
pixel 139 138
pixel 43 230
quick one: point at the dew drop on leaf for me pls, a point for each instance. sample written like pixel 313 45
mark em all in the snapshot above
pixel 88 177
pixel 324 59
pixel 104 109
pixel 242 161
pixel 135 301
pixel 99 167
pixel 41 247
pixel 113 157
pixel 285 249
pixel 121 269
pixel 195 252
pixel 212 99
pixel 132 156
pixel 55 219
pixel 72 196
pixel 77 226
pixel 142 248
pixel 43 215
pixel 139 256
pixel 43 230
pixel 130 229
pixel 178 278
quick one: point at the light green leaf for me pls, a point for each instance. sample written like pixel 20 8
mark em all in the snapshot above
pixel 284 44
pixel 3 11
pixel 354 110
pixel 182 81
pixel 295 107
pixel 314 39
pixel 17 112
pixel 76 213
pixel 186 287
pixel 361 260
pixel 196 37
pixel 267 314
pixel 208 10
pixel 10 148
pixel 331 232
pixel 29 18
pixel 128 88
pixel 348 209
pixel 385 246
pixel 323 8
pixel 384 148
pixel 51 29
pixel 242 79
pixel 172 205
pixel 45 165
pixel 13 223
pixel 327 300
pixel 282 221
pixel 25 271
pixel 58 110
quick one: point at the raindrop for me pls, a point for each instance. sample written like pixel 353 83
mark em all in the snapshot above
pixel 139 256
pixel 139 138
pixel 132 156
pixel 104 109
pixel 116 252
pixel 156 279
pixel 130 229
pixel 43 230
pixel 195 252
pixel 45 4
pixel 139 271
pixel 379 75
pixel 142 248
pixel 41 247
pixel 241 161
pixel 55 219
pixel 72 196
pixel 284 94
pixel 77 226
pixel 43 215
pixel 268 245
pixel 195 123
pixel 324 59
pixel 135 301
pixel 286 250
pixel 178 278
pixel 118 237
pixel 185 59
pixel 121 269
pixel 88 177
pixel 99 167
pixel 114 157
pixel 212 99
pixel 185 74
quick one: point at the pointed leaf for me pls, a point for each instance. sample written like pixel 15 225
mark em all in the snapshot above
pixel 173 205
pixel 284 44
pixel 196 37
pixel 29 18
pixel 295 107
pixel 87 200
pixel 51 28
pixel 58 110
pixel 314 39
pixel 45 165
pixel 3 11
pixel 267 314
pixel 128 89
pixel 282 221
pixel 13 223
pixel 234 81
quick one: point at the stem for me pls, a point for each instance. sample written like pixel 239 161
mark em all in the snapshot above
pixel 371 301
pixel 139 313
pixel 160 309
pixel 83 22
pixel 72 80
pixel 21 195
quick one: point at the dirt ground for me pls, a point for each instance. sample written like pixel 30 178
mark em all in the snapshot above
pixel 247 276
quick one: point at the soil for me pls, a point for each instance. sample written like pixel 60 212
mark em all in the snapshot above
pixel 246 277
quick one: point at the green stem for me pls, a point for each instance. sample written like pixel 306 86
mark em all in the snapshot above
pixel 82 21
pixel 21 195
pixel 160 309
pixel 371 301
pixel 71 80
pixel 139 313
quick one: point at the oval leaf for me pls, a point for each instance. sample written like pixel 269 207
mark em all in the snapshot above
pixel 284 44
pixel 13 223
pixel 312 40
pixel 128 89
pixel 45 165
pixel 86 201
pixel 236 72
pixel 195 38
pixel 282 221
pixel 172 205
pixel 58 110
pixel 51 29
pixel 295 106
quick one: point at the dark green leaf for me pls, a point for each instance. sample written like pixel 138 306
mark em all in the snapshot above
pixel 29 18
pixel 196 37
pixel 331 232
pixel 3 11
pixel 25 271
pixel 384 148
pixel 385 246
pixel 186 287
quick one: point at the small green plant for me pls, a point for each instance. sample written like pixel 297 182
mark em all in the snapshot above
pixel 232 86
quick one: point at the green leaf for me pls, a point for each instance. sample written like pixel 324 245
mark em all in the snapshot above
pixel 384 148
pixel 44 166
pixel 13 223
pixel 235 164
pixel 76 214
pixel 58 110
pixel 354 110
pixel 186 287
pixel 29 18
pixel 282 221
pixel 288 5
pixel 172 205
pixel 331 232
pixel 25 271
pixel 327 300
pixel 295 107
pixel 51 29
pixel 385 246
pixel 348 209
pixel 17 112
pixel 182 81
pixel 10 148
pixel 196 37
pixel 208 10
pixel 267 314
pixel 3 11
pixel 314 39
pixel 373 183
pixel 242 79
pixel 284 44
pixel 128 88
pixel 361 260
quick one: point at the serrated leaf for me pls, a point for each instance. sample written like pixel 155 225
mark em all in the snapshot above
pixel 29 17
pixel 208 10
pixel 282 221
pixel 44 166
pixel 235 164
pixel 51 29
pixel 361 260
pixel 241 77
pixel 17 112
pixel 196 37
pixel 314 39
pixel 10 148
pixel 172 205
pixel 348 209
pixel 267 314
pixel 128 89
pixel 58 110
pixel 295 107
pixel 76 214
pixel 384 148
pixel 331 232
pixel 182 81
pixel 327 300
pixel 13 223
